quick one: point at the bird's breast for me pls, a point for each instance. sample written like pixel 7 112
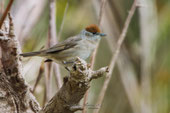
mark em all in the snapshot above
pixel 84 48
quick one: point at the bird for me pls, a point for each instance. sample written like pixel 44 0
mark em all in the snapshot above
pixel 65 52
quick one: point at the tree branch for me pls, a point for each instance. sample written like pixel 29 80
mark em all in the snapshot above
pixel 15 91
pixel 73 89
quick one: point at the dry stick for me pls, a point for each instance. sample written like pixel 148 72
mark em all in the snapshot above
pixel 6 12
pixel 56 66
pixel 48 65
pixel 38 79
pixel 114 58
pixel 54 40
pixel 103 2
pixel 63 20
pixel 57 75
pixel 47 81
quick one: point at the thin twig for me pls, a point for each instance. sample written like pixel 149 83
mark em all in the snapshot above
pixel 52 22
pixel 6 12
pixel 54 40
pixel 114 58
pixel 63 20
pixel 103 2
pixel 47 81
pixel 38 79
pixel 57 75
pixel 51 37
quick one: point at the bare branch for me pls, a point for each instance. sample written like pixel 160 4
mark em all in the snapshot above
pixel 73 89
pixel 103 2
pixel 37 79
pixel 114 58
pixel 57 75
pixel 54 39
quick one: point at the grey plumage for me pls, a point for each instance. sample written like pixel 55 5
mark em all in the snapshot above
pixel 65 52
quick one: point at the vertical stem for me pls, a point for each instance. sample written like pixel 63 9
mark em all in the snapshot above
pixel 148 29
pixel 54 40
pixel 51 39
pixel 48 67
pixel 114 58
pixel 95 52
pixel 37 79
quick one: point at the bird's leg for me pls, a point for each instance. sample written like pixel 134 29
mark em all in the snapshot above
pixel 67 68
pixel 67 62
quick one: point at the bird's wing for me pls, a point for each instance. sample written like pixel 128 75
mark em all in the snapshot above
pixel 68 43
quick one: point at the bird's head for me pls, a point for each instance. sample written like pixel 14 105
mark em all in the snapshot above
pixel 93 32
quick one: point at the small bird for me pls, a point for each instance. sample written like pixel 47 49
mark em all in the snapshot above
pixel 65 53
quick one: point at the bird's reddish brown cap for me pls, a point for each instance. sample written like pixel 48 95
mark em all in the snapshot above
pixel 93 28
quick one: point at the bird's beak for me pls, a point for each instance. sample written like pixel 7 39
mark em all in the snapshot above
pixel 102 34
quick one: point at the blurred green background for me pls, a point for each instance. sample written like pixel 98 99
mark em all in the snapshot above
pixel 145 53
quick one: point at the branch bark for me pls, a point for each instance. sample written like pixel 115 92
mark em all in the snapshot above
pixel 75 86
pixel 15 92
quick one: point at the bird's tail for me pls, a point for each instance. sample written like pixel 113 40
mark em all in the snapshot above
pixel 29 54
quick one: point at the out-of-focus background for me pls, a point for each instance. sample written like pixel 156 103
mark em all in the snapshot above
pixel 140 82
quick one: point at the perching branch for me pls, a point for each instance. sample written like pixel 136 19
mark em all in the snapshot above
pixel 75 86
pixel 114 58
